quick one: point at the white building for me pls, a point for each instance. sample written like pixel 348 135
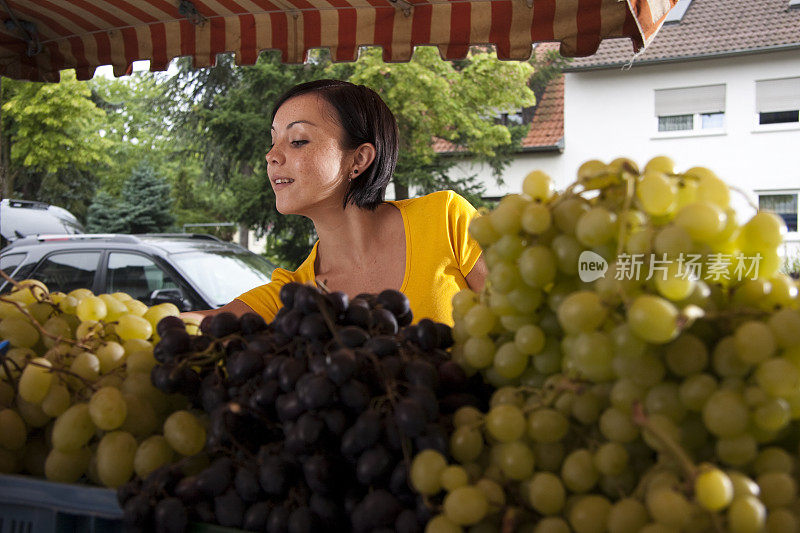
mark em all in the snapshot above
pixel 718 87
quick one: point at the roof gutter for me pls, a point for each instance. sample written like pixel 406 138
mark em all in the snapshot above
pixel 679 59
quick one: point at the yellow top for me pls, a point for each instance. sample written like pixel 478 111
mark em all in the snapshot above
pixel 439 254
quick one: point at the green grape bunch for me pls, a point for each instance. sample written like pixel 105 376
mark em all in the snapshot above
pixel 644 347
pixel 76 400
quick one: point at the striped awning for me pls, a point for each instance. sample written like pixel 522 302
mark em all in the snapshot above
pixel 41 37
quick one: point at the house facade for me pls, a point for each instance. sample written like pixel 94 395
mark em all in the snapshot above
pixel 718 87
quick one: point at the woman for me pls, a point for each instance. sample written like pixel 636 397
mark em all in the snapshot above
pixel 334 151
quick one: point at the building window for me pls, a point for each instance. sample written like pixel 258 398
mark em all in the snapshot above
pixel 690 108
pixel 778 101
pixel 783 205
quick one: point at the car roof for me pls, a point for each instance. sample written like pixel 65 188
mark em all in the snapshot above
pixel 165 243
pixel 19 218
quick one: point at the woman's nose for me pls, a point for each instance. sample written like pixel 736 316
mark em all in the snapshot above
pixel 274 156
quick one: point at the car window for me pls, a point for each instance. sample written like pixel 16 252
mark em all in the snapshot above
pixel 136 275
pixel 66 271
pixel 8 263
pixel 224 275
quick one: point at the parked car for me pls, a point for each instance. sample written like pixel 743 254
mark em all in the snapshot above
pixel 193 271
pixel 22 218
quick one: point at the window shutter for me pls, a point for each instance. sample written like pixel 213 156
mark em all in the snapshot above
pixel 690 100
pixel 778 95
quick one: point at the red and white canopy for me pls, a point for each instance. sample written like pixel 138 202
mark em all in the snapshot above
pixel 41 37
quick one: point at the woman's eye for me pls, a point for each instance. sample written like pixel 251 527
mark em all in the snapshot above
pixel 299 143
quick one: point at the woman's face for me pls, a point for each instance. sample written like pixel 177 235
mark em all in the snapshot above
pixel 306 164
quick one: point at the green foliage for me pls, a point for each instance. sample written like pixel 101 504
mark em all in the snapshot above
pixel 144 205
pixel 432 99
pixel 55 140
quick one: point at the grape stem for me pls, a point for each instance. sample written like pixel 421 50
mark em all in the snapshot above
pixel 509 524
pixel 87 383
pixel 640 419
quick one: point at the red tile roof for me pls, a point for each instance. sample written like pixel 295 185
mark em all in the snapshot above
pixel 708 28
pixel 547 127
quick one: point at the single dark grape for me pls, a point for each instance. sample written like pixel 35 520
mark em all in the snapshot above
pixel 341 365
pixel 190 382
pixel 273 476
pixel 290 372
pixel 173 342
pixel 354 395
pixel 233 346
pixel 243 366
pixel 288 406
pixel 167 323
pixel 394 301
pixel 317 471
pixel 427 334
pixel 166 378
pixel 170 516
pixel 138 511
pixel 289 324
pixel 382 345
pixel 265 395
pixel 452 377
pixel 229 509
pixel 363 434
pixel 383 322
pixel 316 392
pixel 378 509
pixel 287 294
pixel 410 417
pixel 445 336
pixel 373 466
pixel 252 323
pixel 317 363
pixel 201 343
pixel 405 319
pixel 327 510
pixel 223 324
pixel 215 479
pixel 305 299
pixel 433 437
pixel 255 518
pixel 422 373
pixel 309 427
pixel 313 326
pixel 335 421
pixel 352 336
pixel 205 324
pixel 398 482
pixel 301 520
pixel 358 314
pixel 187 490
pixel 246 483
pixel 338 302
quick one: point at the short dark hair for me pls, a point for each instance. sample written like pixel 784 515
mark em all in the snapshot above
pixel 365 118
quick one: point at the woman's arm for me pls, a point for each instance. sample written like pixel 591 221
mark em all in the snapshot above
pixel 477 276
pixel 237 307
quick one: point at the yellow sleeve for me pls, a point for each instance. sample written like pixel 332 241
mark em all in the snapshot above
pixel 466 249
pixel 265 299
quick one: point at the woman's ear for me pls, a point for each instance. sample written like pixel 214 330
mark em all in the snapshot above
pixel 364 156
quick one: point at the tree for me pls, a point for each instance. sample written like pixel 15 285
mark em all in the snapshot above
pixel 144 206
pixel 52 143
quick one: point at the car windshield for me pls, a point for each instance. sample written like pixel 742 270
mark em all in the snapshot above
pixel 223 275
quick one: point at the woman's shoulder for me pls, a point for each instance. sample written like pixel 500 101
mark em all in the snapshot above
pixel 445 200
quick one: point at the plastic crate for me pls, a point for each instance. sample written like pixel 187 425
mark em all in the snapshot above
pixel 31 505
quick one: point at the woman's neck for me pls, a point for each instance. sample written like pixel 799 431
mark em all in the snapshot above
pixel 348 238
